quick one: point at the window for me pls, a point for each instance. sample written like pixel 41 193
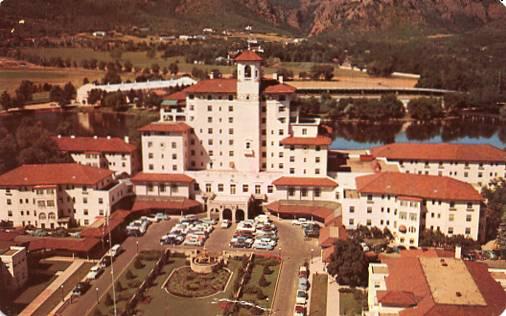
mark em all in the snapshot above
pixel 291 192
pixel 174 156
pixel 317 192
pixel 304 131
pixel 317 159
pixel 469 217
pixel 161 187
pixel 230 108
pixel 303 192
pixel 85 212
pixel 351 221
pixel 245 188
pixel 232 189
pixel 292 170
pixel 9 202
pixel 209 130
pixel 231 153
pixel 352 209
pixel 231 131
pixel 231 120
pixel 257 189
pixel 220 187
pixel 150 188
pixel 368 222
pixel 317 171
pixel 85 200
pixel 209 108
pixel 210 142
pixel 209 119
pixel 270 189
pixel 208 187
pixel 468 230
pixel 281 132
pixel 369 210
pixel 174 188
pixel 450 230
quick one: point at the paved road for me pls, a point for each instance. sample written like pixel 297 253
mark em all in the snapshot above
pixel 294 249
pixel 84 304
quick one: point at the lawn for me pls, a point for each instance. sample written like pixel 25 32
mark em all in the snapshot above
pixel 350 303
pixel 254 282
pixel 162 303
pixel 68 285
pixel 41 275
pixel 319 295
pixel 128 283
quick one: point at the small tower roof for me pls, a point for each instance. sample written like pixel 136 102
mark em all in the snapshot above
pixel 248 55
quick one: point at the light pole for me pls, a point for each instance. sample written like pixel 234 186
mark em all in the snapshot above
pixel 96 290
pixel 137 245
pixel 279 252
pixel 311 260
pixel 62 296
pixel 112 268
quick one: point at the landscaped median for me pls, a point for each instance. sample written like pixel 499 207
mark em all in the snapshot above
pixel 319 286
pixel 129 283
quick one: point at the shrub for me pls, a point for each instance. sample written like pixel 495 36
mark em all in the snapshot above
pixel 130 275
pixel 134 284
pixel 138 263
pixel 263 281
pixel 261 295
pixel 267 270
pixel 119 286
pixel 108 300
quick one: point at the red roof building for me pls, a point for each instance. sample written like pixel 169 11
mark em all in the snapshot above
pixel 228 86
pixel 92 144
pixel 54 174
pixel 143 177
pixel 166 128
pixel 305 182
pixel 417 186
pixel 440 152
pixel 319 140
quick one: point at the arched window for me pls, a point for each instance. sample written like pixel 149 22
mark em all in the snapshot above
pixel 51 215
pixel 247 71
pixel 42 216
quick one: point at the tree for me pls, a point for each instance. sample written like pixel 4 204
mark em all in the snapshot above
pixel 199 73
pixel 424 109
pixel 348 263
pixel 127 66
pixel 86 80
pixel 24 92
pixel 303 75
pixel 173 68
pixel 8 147
pixel 391 106
pixel 495 193
pixel 115 100
pixel 285 73
pixel 69 93
pixel 155 68
pixel 94 96
pixel 151 53
pixel 502 113
pixel 5 100
pixel 56 94
pixel 111 77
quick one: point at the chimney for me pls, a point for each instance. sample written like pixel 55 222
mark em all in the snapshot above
pixel 280 79
pixel 211 75
pixel 458 252
pixel 95 137
pixel 108 137
pixel 275 76
pixel 59 135
pixel 72 136
pixel 126 139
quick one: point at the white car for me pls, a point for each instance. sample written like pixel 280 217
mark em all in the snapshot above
pixel 299 221
pixel 161 217
pixel 268 241
pixel 193 242
pixel 225 223
pixel 262 245
pixel 95 271
pixel 301 297
pixel 364 246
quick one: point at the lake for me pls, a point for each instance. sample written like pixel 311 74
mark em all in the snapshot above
pixel 346 135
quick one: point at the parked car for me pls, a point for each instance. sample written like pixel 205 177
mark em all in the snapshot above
pixel 210 221
pixel 225 223
pixel 299 221
pixel 162 217
pixel 258 244
pixel 301 297
pixel 269 241
pixel 105 262
pixel 115 250
pixel 364 246
pixel 299 310
pixel 303 284
pixel 80 288
pixel 241 241
pixel 95 272
pixel 303 272
pixel 312 230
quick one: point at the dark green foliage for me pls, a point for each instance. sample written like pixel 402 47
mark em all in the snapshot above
pixel 263 281
pixel 348 263
pixel 495 211
pixel 322 71
pixel 424 109
pixel 199 73
pixel 130 275
pixel 429 238
pixel 5 101
pixel 138 263
pixel 108 300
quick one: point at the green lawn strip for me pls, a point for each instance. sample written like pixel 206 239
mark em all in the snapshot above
pixel 160 300
pixel 256 274
pixel 350 304
pixel 129 286
pixel 319 295
pixel 68 285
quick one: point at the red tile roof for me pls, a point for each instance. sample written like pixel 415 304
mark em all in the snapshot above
pixel 53 174
pixel 90 144
pixel 416 297
pixel 66 244
pixel 142 177
pixel 441 152
pixel 177 96
pixel 117 218
pixel 305 182
pixel 397 298
pixel 418 186
pixel 248 55
pixel 318 212
pixel 319 140
pixel 166 127
pixel 213 86
pixel 279 88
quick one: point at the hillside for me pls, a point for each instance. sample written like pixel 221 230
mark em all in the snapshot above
pixel 299 17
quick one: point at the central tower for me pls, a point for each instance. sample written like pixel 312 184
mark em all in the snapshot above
pixel 247 111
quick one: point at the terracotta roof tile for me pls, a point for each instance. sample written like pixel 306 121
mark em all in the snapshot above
pixel 397 298
pixel 117 218
pixel 248 55
pixel 91 144
pixel 177 96
pixel 318 212
pixel 213 86
pixel 310 141
pixel 418 186
pixel 142 177
pixel 441 152
pixel 54 174
pixel 166 127
pixel 279 88
pixel 305 182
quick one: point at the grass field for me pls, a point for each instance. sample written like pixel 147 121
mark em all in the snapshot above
pixel 350 304
pixel 255 277
pixel 319 295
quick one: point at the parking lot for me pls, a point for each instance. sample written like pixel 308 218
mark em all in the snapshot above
pixel 292 246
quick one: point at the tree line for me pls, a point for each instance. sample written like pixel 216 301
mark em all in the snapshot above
pixel 26 89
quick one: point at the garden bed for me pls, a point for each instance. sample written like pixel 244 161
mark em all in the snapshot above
pixel 186 283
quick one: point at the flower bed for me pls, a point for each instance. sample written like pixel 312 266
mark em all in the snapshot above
pixel 186 283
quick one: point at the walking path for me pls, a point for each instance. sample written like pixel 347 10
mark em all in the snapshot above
pixel 317 266
pixel 53 287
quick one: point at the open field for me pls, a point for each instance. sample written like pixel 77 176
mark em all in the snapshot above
pixel 11 78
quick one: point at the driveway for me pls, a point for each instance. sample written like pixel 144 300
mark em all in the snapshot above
pixel 84 304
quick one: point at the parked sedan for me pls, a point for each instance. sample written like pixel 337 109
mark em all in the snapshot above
pixel 95 272
pixel 301 297
pixel 80 288
pixel 258 244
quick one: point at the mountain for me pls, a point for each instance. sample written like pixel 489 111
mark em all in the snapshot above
pixel 301 17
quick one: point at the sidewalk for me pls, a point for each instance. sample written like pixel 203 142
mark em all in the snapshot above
pixel 317 266
pixel 53 287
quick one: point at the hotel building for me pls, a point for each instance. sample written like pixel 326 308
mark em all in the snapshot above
pixel 54 195
pixel 13 268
